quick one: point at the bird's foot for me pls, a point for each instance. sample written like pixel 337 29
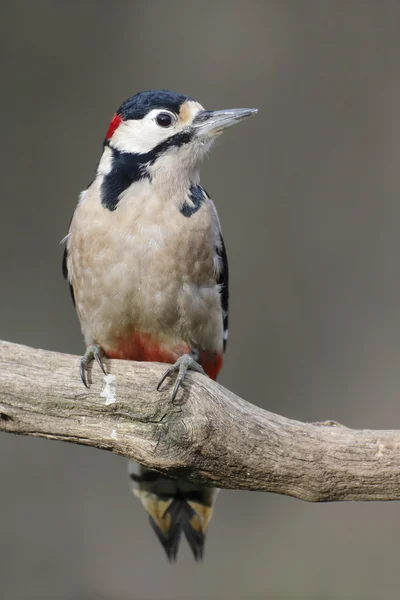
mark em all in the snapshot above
pixel 92 352
pixel 184 364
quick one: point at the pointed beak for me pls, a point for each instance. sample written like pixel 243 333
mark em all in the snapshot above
pixel 214 122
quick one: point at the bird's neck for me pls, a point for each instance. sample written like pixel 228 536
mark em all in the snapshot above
pixel 120 172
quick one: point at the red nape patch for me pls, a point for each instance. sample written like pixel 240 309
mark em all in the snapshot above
pixel 115 121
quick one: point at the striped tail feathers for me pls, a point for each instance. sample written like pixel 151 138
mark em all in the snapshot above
pixel 194 526
pixel 174 507
pixel 165 521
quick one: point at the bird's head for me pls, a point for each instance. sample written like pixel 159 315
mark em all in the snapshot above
pixel 163 131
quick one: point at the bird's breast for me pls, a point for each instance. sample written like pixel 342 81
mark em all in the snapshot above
pixel 144 270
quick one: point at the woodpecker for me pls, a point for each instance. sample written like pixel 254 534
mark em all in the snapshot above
pixel 148 271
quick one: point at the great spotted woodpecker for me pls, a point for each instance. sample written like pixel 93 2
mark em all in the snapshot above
pixel 148 270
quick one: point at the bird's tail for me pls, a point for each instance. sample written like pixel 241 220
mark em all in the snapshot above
pixel 174 506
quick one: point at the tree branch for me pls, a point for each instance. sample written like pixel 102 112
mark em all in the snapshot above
pixel 208 434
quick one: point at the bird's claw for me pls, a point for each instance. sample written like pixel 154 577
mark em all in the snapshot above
pixel 92 352
pixel 184 364
pixel 82 369
pixel 100 362
pixel 167 373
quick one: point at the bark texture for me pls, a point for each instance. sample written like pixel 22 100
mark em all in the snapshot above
pixel 208 434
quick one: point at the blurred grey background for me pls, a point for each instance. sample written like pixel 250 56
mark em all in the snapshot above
pixel 308 195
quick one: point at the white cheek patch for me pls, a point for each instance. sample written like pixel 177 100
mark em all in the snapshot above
pixel 140 136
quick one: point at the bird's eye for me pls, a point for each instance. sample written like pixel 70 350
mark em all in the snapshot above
pixel 164 119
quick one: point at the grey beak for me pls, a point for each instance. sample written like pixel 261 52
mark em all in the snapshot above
pixel 214 122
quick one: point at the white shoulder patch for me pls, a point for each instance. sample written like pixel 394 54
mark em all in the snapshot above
pixel 105 164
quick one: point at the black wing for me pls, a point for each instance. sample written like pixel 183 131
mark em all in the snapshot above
pixel 65 273
pixel 223 281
